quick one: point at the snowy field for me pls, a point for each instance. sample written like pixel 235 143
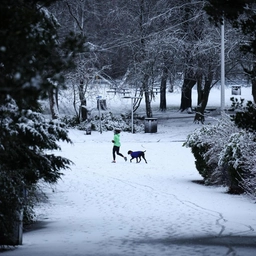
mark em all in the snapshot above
pixel 128 209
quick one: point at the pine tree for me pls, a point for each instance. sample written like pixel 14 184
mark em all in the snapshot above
pixel 32 62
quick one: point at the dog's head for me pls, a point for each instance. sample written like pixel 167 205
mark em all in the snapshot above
pixel 129 152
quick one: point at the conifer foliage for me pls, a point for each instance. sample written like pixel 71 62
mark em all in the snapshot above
pixel 32 61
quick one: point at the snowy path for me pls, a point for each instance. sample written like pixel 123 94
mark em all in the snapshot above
pixel 125 209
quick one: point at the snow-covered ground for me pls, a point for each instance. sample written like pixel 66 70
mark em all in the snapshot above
pixel 126 209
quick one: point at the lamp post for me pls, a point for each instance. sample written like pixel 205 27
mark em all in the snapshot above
pixel 98 103
pixel 222 68
pixel 132 113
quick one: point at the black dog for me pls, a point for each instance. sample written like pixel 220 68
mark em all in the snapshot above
pixel 138 155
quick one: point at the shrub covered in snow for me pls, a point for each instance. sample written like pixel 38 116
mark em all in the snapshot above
pixel 206 144
pixel 199 148
pixel 107 122
pixel 239 156
pixel 224 153
pixel 246 117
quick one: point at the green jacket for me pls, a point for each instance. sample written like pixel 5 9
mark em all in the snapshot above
pixel 116 140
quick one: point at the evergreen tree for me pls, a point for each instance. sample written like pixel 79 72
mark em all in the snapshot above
pixel 32 62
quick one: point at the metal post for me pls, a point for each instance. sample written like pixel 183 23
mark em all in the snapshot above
pixel 132 112
pixel 100 118
pixel 222 68
pixel 132 101
pixel 98 98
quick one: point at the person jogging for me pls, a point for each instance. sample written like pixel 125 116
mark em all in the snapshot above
pixel 117 145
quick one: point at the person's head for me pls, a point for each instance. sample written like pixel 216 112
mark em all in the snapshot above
pixel 117 131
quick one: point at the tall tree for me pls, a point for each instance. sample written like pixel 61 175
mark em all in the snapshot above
pixel 191 31
pixel 145 43
pixel 31 63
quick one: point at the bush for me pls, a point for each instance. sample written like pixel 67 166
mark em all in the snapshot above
pixel 238 155
pixel 206 143
pixel 201 164
pixel 70 121
pixel 225 152
pixel 246 117
pixel 199 149
pixel 108 122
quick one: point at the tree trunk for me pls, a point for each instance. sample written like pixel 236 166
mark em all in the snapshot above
pixel 254 89
pixel 199 89
pixel 254 82
pixel 203 99
pixel 252 74
pixel 83 110
pixel 147 96
pixel 171 80
pixel 53 104
pixel 200 109
pixel 163 89
pixel 186 94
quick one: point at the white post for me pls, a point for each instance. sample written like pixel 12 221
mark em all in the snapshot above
pixel 132 112
pixel 222 68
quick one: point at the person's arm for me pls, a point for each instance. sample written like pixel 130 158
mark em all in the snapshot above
pixel 115 139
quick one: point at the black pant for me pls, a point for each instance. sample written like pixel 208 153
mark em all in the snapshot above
pixel 116 151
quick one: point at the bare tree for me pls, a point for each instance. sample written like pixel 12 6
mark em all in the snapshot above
pixel 146 43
